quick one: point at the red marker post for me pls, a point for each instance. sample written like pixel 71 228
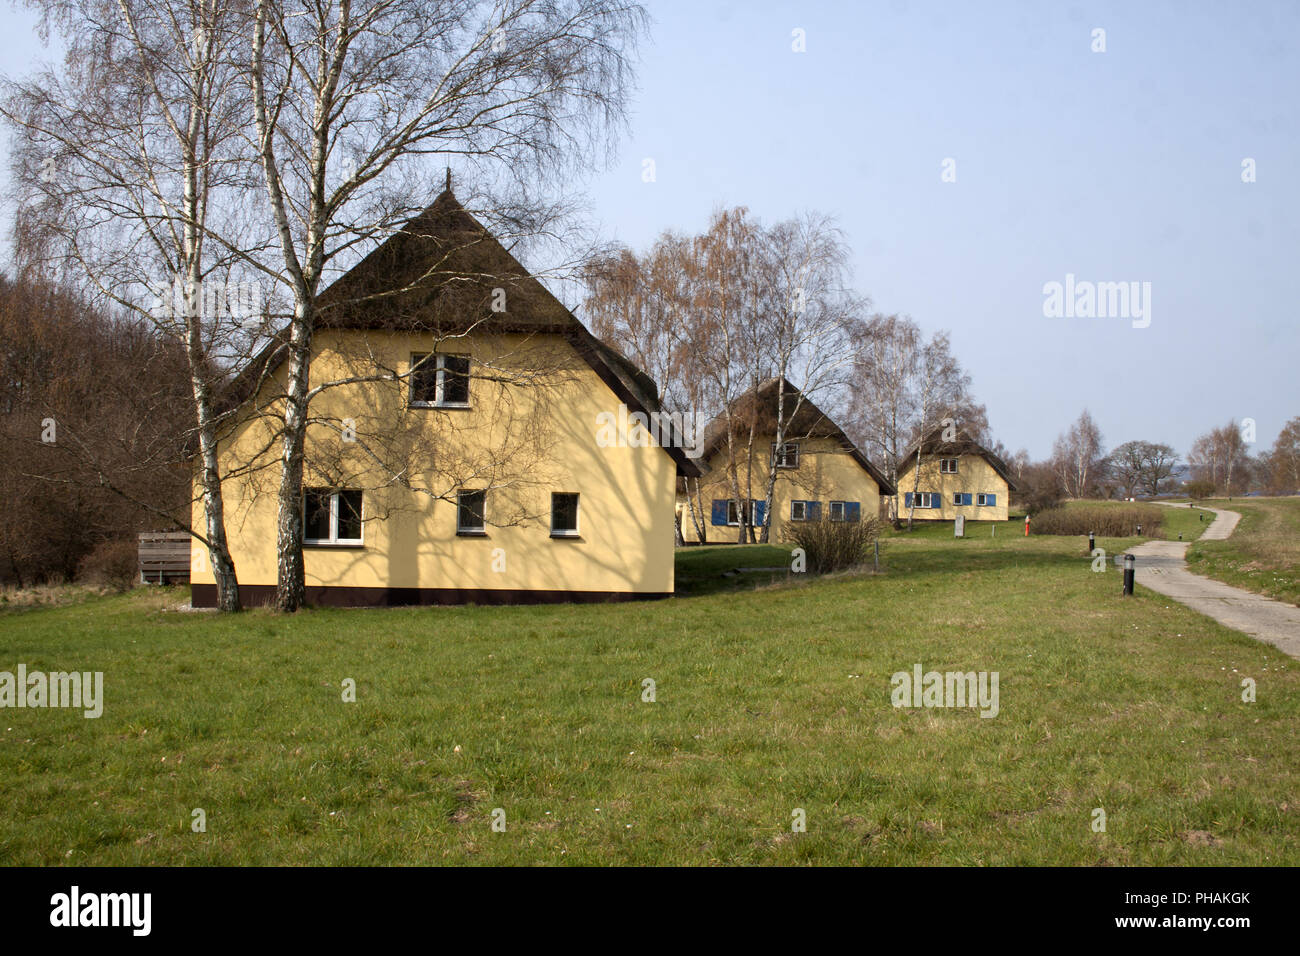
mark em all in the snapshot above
pixel 1026 526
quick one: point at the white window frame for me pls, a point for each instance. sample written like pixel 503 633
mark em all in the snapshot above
pixel 803 515
pixel 982 499
pixel 575 531
pixel 830 511
pixel 471 531
pixel 733 503
pixel 943 466
pixel 956 499
pixel 782 454
pixel 334 538
pixel 440 368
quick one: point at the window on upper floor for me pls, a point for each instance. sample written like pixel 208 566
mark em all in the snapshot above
pixel 787 455
pixel 440 381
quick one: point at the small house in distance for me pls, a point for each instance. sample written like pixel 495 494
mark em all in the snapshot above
pixel 957 477
pixel 820 473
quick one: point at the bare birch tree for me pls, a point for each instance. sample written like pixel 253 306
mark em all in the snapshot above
pixel 1220 456
pixel 904 387
pixel 128 164
pixel 1078 455
pixel 350 101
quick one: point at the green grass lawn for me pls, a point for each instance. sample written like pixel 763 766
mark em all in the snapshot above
pixel 768 699
pixel 1263 554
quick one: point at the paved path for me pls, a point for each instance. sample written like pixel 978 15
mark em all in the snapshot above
pixel 1160 567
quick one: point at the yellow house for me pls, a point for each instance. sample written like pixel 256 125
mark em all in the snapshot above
pixel 819 472
pixel 958 476
pixel 457 449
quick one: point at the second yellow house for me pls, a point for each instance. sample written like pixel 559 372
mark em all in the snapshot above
pixel 957 476
pixel 819 472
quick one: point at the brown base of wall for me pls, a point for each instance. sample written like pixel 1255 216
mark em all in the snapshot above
pixel 263 595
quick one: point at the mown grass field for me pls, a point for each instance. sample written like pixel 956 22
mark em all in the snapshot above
pixel 768 699
pixel 1263 554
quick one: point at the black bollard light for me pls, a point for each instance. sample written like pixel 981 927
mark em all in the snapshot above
pixel 1129 563
pixel 1092 543
pixel 1139 529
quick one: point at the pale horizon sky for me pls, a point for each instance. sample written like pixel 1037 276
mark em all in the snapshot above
pixel 1122 166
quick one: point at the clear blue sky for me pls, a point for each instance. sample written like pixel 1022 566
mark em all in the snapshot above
pixel 1115 166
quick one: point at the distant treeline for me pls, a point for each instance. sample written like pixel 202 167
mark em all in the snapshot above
pixel 94 414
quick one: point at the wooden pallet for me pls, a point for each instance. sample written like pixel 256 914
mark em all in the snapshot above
pixel 164 557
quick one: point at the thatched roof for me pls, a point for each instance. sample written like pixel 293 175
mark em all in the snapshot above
pixel 932 445
pixel 439 273
pixel 760 405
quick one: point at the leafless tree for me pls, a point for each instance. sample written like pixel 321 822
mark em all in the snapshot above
pixel 746 325
pixel 803 335
pixel 904 387
pixel 1284 459
pixel 131 178
pixel 1220 456
pixel 93 414
pixel 1143 465
pixel 1077 457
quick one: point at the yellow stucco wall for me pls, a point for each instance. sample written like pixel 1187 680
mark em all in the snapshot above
pixel 547 434
pixel 826 473
pixel 974 476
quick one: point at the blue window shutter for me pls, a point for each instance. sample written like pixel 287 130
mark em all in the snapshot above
pixel 720 511
pixel 991 499
pixel 966 498
pixel 907 499
pixel 760 512
pixel 936 500
pixel 814 511
pixel 852 511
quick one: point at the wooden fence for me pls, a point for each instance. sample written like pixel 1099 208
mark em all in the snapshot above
pixel 164 557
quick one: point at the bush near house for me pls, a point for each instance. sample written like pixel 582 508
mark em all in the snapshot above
pixel 832 545
pixel 112 564
pixel 1104 520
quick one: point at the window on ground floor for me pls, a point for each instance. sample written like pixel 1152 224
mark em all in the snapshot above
pixel 470 509
pixel 845 511
pixel 331 516
pixel 564 514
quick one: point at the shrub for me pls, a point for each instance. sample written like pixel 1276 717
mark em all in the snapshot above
pixel 111 564
pixel 831 545
pixel 1109 521
pixel 1038 489
pixel 1200 488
